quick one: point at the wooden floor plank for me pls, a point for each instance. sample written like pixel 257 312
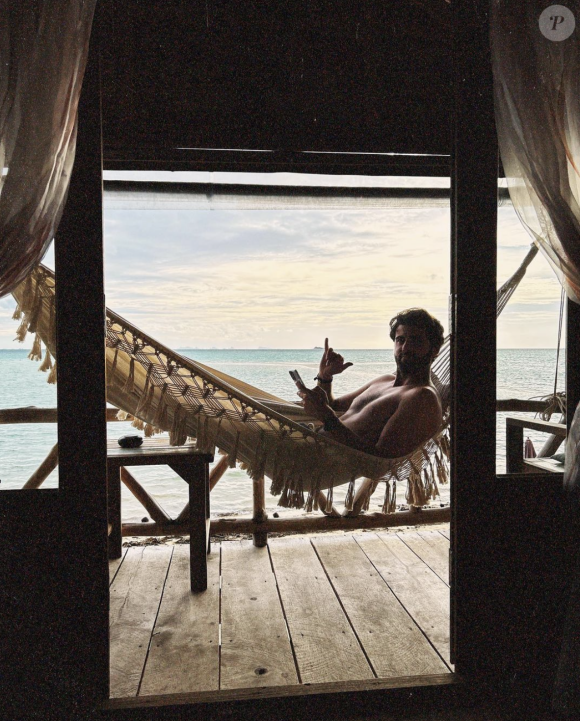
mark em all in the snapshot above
pixel 114 566
pixel 325 645
pixel 134 600
pixel 256 649
pixel 418 588
pixel 184 652
pixel 394 644
pixel 445 532
pixel 432 548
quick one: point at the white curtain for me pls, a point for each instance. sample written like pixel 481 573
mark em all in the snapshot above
pixel 43 51
pixel 537 107
pixel 535 50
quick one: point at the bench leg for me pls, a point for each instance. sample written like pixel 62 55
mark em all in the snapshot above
pixel 195 472
pixel 198 522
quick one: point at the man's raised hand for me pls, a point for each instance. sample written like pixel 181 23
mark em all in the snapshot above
pixel 331 363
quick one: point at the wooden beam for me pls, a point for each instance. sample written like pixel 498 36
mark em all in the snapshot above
pixel 535 424
pixel 308 524
pixel 44 469
pixel 81 398
pixel 473 353
pixel 31 414
pixel 512 405
pixel 150 504
pixel 322 500
pixel 260 515
pixel 572 359
pixel 218 471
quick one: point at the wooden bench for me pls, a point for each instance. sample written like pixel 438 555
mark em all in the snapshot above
pixel 515 462
pixel 189 464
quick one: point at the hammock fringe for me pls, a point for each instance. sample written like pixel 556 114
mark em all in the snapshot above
pixel 160 391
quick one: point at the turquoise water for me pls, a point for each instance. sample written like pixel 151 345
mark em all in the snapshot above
pixel 521 374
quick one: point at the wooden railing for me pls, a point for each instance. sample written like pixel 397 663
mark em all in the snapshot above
pixel 259 524
pixel 515 462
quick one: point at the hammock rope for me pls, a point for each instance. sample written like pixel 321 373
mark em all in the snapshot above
pixel 161 391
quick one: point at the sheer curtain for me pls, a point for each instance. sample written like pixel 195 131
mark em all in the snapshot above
pixel 536 64
pixel 43 51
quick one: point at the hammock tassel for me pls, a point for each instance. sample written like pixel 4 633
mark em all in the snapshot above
pixel 111 378
pixel 36 308
pixel 27 296
pixel 178 433
pixel 441 468
pixel 130 382
pixel 203 440
pixel 312 499
pixel 149 430
pixel 161 410
pixel 298 494
pixel 138 424
pixel 17 315
pixel 47 362
pixel 349 498
pixel 144 404
pixel 234 452
pixel 260 457
pixel 390 502
pixel 121 415
pixel 329 500
pixel 444 444
pixel 52 375
pixel 277 474
pixel 36 352
pixel 144 407
pixel 22 329
pixel 415 491
pixel 367 502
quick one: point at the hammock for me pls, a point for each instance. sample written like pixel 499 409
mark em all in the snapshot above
pixel 164 391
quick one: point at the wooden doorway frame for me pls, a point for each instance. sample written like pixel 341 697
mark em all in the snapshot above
pixel 78 652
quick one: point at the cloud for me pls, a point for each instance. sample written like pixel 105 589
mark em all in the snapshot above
pixel 243 278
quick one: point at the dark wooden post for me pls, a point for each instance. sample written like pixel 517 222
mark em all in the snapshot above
pixel 514 447
pixel 572 359
pixel 474 224
pixel 80 319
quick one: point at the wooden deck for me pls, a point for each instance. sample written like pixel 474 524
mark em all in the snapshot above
pixel 323 609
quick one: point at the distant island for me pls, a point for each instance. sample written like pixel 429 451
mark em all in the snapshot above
pixel 318 347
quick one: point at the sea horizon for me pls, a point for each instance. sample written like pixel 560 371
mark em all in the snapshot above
pixel 521 372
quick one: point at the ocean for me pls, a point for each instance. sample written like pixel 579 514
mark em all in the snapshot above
pixel 521 374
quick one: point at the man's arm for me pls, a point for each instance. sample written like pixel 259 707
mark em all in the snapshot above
pixel 332 364
pixel 315 403
pixel 417 418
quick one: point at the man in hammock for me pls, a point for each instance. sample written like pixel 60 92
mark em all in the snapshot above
pixel 393 414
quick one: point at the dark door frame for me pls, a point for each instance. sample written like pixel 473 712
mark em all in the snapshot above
pixel 75 650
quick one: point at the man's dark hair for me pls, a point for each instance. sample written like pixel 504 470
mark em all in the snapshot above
pixel 420 318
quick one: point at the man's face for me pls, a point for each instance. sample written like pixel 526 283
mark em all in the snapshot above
pixel 412 349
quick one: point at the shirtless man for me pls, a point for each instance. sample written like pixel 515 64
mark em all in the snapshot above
pixel 391 415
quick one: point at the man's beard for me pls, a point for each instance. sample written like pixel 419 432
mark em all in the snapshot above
pixel 413 364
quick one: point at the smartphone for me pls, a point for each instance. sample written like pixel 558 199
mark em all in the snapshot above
pixel 296 378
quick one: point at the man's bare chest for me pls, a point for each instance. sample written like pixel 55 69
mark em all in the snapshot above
pixel 379 401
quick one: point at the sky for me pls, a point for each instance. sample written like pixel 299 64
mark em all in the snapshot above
pixel 279 277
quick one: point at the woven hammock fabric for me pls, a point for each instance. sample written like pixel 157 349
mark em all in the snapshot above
pixel 165 391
